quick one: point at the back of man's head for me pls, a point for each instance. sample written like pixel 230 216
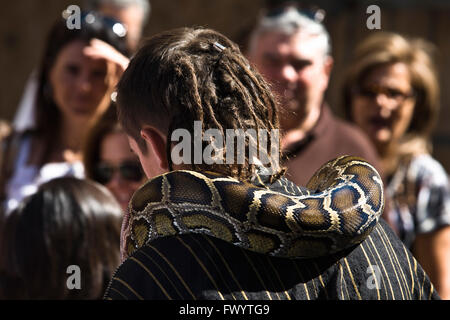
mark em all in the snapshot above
pixel 188 75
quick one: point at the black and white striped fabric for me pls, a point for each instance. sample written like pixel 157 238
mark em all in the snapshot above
pixel 196 266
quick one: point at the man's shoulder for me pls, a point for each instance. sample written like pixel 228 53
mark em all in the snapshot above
pixel 196 266
pixel 332 137
pixel 349 139
pixel 388 269
pixel 343 129
pixel 156 271
pixel 184 266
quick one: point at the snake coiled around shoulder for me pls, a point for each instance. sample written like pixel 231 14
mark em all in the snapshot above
pixel 338 209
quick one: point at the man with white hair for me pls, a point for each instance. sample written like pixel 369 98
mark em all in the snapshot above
pixel 292 50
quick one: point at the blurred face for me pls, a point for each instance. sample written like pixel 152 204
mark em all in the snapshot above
pixel 383 107
pixel 121 166
pixel 79 83
pixel 298 69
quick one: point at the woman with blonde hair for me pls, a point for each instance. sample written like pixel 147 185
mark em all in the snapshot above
pixel 392 92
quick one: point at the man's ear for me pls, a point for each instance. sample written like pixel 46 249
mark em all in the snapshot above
pixel 327 68
pixel 157 144
pixel 329 62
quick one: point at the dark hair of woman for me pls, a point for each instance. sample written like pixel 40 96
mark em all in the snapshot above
pixel 67 222
pixel 91 150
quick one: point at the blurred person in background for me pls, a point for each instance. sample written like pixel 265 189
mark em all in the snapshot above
pixel 78 73
pixel 67 222
pixel 392 92
pixel 107 159
pixel 132 14
pixel 291 48
pixel 5 130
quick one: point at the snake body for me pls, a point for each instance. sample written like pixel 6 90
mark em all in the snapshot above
pixel 339 207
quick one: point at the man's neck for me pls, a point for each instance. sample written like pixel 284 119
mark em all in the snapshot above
pixel 294 134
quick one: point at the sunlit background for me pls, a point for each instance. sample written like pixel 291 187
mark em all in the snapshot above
pixel 24 25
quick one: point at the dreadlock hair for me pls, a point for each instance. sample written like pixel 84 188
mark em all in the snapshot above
pixel 196 74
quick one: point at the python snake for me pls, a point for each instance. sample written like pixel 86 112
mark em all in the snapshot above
pixel 339 207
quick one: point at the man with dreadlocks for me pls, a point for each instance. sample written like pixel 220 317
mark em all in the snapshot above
pixel 239 229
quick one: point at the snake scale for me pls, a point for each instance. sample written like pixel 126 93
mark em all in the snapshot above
pixel 338 209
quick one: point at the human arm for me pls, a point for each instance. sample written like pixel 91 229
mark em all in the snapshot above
pixel 116 62
pixel 432 243
pixel 99 49
pixel 432 250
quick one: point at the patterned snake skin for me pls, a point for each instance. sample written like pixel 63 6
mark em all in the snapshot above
pixel 339 208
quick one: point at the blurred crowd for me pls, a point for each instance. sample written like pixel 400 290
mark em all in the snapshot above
pixel 68 173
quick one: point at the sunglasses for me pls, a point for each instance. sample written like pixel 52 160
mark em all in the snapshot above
pixel 99 21
pixel 128 170
pixel 312 12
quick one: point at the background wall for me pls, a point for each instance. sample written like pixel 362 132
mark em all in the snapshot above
pixel 24 24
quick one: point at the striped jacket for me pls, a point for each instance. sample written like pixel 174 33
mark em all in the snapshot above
pixel 197 266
